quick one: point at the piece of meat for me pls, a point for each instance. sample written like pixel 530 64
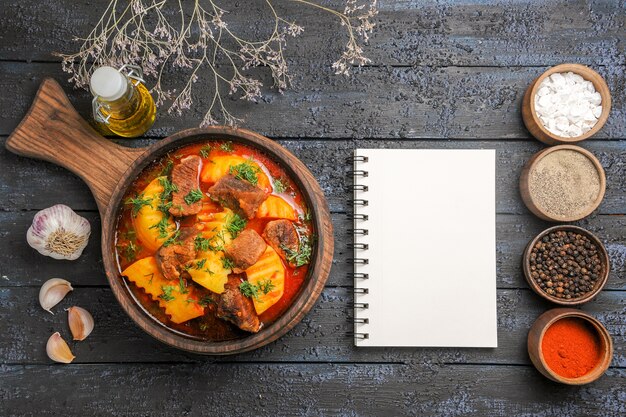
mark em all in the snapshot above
pixel 185 176
pixel 283 237
pixel 238 195
pixel 236 307
pixel 172 258
pixel 245 250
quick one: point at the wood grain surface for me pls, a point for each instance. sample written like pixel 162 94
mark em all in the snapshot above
pixel 444 74
pixel 382 102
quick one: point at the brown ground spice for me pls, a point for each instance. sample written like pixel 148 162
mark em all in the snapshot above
pixel 564 183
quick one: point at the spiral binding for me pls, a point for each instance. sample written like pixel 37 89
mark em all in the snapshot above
pixel 358 158
pixel 359 230
pixel 361 246
pixel 358 173
pixel 353 216
pixel 360 187
pixel 359 202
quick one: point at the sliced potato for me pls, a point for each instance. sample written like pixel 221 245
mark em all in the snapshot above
pixel 180 306
pixel 211 274
pixel 149 216
pixel 276 208
pixel 270 268
pixel 215 230
pixel 143 273
pixel 218 166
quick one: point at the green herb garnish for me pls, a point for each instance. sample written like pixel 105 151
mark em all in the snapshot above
pixel 245 171
pixel 165 207
pixel 167 169
pixel 137 203
pixel 300 257
pixel 168 188
pixel 227 263
pixel 227 146
pixel 201 244
pixel 279 185
pixel 193 196
pixel 249 290
pixel 167 293
pixel 172 240
pixel 206 300
pixel 252 291
pixel 235 224
pixel 162 226
pixel 132 250
pixel 151 275
pixel 200 264
pixel 182 288
pixel 216 243
pixel 205 150
pixel 266 286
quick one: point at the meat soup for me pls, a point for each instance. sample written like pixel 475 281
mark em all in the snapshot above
pixel 214 240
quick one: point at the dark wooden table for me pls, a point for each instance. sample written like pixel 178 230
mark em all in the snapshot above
pixel 444 74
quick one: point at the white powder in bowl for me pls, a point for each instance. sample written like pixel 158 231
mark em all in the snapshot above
pixel 567 104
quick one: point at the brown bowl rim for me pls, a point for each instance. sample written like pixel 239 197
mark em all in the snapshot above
pixel 602 332
pixel 320 262
pixel 571 302
pixel 532 163
pixel 599 84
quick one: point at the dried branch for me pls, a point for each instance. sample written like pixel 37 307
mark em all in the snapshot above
pixel 156 34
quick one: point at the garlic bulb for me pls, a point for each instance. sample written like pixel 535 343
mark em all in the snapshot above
pixel 58 350
pixel 52 292
pixel 58 232
pixel 80 321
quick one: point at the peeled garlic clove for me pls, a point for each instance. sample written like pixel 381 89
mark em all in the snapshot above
pixel 58 350
pixel 58 232
pixel 80 321
pixel 52 292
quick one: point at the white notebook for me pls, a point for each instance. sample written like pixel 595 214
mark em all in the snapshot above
pixel 425 248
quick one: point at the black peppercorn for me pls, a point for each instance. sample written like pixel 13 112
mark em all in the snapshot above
pixel 565 264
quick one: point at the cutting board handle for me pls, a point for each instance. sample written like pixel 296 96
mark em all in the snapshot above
pixel 53 130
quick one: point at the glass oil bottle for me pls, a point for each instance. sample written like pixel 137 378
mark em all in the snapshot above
pixel 122 105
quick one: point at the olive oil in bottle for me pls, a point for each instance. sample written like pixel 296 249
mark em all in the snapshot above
pixel 122 104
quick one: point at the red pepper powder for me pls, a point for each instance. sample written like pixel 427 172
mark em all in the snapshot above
pixel 571 347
